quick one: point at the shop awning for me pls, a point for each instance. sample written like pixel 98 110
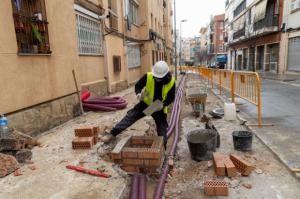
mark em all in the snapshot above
pixel 260 10
pixel 221 58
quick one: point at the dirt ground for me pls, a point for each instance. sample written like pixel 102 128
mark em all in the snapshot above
pixel 52 180
pixel 270 179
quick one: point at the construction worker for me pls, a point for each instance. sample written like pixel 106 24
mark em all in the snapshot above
pixel 156 85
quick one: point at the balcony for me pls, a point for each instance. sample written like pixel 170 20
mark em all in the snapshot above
pixel 239 34
pixel 267 22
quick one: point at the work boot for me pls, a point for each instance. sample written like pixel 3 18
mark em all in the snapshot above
pixel 107 138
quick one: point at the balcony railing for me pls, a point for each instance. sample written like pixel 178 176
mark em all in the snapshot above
pixel 239 33
pixel 268 21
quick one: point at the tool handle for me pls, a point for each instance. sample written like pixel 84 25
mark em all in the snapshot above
pixel 88 171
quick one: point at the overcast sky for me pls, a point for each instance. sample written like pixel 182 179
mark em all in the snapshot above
pixel 197 13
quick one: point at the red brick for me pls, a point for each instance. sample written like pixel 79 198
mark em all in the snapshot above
pixel 149 153
pixel 216 188
pixel 129 153
pixel 230 168
pixel 84 132
pixel 242 166
pixel 116 156
pixel 158 143
pixel 131 169
pixel 219 164
pixel 149 140
pixel 133 162
pixel 137 140
pixel 96 131
pixel 83 142
pixel 153 163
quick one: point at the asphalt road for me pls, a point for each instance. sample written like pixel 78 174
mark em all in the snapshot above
pixel 281 107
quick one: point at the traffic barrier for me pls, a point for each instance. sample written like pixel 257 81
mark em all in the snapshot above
pixel 243 84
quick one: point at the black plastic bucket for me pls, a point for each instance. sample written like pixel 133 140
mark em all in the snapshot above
pixel 202 143
pixel 242 140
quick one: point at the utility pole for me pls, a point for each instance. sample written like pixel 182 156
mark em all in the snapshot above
pixel 175 39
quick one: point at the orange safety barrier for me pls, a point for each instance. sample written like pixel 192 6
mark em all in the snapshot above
pixel 243 84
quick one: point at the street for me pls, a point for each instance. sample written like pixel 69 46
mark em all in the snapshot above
pixel 281 107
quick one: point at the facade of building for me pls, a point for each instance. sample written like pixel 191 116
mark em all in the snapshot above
pixel 290 39
pixel 185 51
pixel 203 45
pixel 109 44
pixel 215 46
pixel 254 33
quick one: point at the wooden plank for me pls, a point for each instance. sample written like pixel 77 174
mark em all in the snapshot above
pixel 121 145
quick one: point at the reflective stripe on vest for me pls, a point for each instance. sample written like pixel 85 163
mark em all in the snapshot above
pixel 150 88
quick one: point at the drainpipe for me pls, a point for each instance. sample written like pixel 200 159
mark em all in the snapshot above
pixel 124 43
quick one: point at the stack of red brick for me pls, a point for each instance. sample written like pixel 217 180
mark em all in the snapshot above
pixel 138 153
pixel 85 137
pixel 226 165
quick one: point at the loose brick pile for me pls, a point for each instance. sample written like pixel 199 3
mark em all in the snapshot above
pixel 16 148
pixel 231 165
pixel 225 165
pixel 138 153
pixel 85 137
pixel 216 188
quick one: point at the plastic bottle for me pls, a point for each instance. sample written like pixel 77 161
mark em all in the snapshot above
pixel 4 130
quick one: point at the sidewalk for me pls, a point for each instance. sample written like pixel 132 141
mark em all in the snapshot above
pixel 280 77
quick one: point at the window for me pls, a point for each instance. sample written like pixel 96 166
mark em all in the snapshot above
pixel 221 48
pixel 221 37
pixel 31 26
pixel 89 35
pixel 240 8
pixel 134 56
pixel 113 16
pixel 133 12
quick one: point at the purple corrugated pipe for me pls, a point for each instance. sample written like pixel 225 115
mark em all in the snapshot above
pixel 142 187
pixel 161 184
pixel 134 192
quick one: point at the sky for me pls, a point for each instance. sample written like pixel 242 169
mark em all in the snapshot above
pixel 197 13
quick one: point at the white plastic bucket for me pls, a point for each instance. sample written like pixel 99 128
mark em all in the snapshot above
pixel 229 111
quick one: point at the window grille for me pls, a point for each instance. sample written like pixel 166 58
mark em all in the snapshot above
pixel 31 26
pixel 89 35
pixel 134 56
pixel 133 12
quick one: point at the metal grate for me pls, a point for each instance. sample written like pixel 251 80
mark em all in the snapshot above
pixel 134 56
pixel 90 41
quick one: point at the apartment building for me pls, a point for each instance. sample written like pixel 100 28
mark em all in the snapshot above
pixel 109 44
pixel 290 38
pixel 254 33
pixel 216 46
pixel 203 45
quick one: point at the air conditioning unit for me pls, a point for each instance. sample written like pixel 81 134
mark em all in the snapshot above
pixel 295 6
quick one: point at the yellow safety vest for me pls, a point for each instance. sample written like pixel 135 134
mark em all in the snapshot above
pixel 150 88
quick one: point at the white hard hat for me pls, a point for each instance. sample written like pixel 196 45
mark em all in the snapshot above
pixel 160 69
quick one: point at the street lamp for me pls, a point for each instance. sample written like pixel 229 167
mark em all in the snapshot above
pixel 180 54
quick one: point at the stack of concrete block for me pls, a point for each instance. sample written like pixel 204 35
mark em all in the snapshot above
pixel 85 137
pixel 138 153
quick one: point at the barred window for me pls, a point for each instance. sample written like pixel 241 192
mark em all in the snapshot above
pixel 134 56
pixel 89 35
